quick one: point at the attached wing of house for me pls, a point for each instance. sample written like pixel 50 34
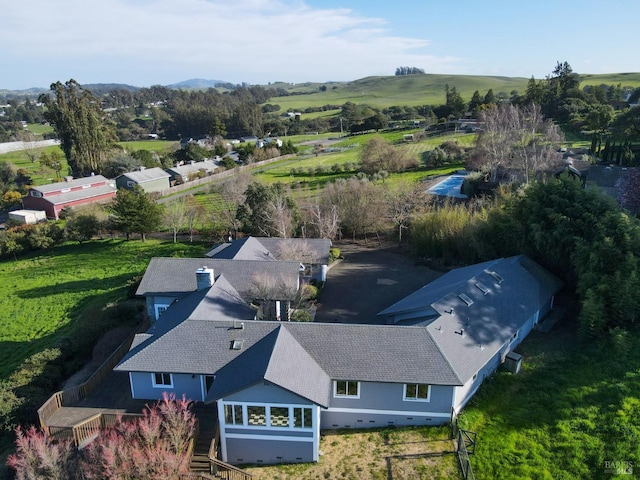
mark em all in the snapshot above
pixel 311 253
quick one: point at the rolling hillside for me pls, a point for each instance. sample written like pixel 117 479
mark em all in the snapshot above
pixel 412 90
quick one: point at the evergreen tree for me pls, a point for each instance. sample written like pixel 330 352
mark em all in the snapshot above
pixel 85 134
pixel 135 212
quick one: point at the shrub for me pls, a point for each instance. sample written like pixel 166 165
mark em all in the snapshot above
pixel 334 254
pixel 300 316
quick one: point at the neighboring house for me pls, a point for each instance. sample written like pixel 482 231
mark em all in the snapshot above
pixel 607 179
pixel 311 253
pixel 170 280
pixel 183 173
pixel 54 197
pixel 149 179
pixel 276 385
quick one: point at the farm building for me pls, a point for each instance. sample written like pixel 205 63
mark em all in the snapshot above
pixel 54 197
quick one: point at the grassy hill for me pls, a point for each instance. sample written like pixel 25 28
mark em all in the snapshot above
pixel 412 90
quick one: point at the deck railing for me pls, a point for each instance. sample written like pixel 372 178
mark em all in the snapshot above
pixel 222 469
pixel 72 395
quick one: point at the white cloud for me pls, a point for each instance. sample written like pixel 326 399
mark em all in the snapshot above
pixel 244 40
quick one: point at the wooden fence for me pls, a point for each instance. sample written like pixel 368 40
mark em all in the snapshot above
pixel 221 175
pixel 466 446
pixel 72 395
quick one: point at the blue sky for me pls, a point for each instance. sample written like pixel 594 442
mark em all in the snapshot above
pixel 147 42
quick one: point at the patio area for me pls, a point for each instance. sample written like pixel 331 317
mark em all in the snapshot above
pixel 113 396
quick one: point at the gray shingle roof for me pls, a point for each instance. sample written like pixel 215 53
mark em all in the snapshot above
pixel 312 250
pixel 320 352
pixel 176 276
pixel 470 335
pixel 304 357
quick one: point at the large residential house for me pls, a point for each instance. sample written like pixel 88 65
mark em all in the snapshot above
pixel 276 385
pixel 311 253
pixel 54 197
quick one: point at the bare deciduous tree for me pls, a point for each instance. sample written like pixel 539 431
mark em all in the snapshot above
pixel 194 212
pixel 403 201
pixel 379 155
pixel 297 250
pixel 517 139
pixel 174 216
pixel 323 220
pixel 359 204
pixel 232 194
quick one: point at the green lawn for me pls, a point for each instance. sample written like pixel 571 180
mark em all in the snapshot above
pixel 46 295
pixel 158 146
pixel 573 407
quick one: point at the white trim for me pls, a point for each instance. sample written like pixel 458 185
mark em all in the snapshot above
pixel 316 435
pixel 221 425
pixel 270 437
pixel 386 412
pixel 335 389
pixel 202 386
pixel 161 385
pixel 416 399
pixel 133 393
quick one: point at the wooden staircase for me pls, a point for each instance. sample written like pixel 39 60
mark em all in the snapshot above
pixel 204 462
pixel 208 425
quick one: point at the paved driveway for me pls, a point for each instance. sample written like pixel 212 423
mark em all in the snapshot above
pixel 368 280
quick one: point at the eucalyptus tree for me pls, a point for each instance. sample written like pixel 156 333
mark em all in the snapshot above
pixel 86 136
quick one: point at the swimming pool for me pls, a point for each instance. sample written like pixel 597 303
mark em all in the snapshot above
pixel 449 187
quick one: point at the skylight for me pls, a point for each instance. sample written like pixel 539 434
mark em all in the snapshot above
pixel 465 298
pixel 237 344
pixel 483 288
pixel 498 278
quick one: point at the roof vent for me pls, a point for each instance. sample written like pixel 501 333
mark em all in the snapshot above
pixel 238 325
pixel 460 332
pixel 482 287
pixel 465 298
pixel 496 276
pixel 237 344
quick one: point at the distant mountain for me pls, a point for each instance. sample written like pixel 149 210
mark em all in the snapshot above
pixel 196 83
pixel 20 94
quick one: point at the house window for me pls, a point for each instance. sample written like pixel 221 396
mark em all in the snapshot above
pixel 162 380
pixel 160 309
pixel 279 416
pixel 346 388
pixel 233 415
pixel 302 417
pixel 417 392
pixel 36 194
pixel 256 415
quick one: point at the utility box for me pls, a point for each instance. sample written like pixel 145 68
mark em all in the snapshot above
pixel 513 362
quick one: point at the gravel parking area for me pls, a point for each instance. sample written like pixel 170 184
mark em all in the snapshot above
pixel 370 278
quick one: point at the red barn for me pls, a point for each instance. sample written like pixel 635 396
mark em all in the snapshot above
pixel 71 193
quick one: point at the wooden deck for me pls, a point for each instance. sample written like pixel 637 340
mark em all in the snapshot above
pixel 113 395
